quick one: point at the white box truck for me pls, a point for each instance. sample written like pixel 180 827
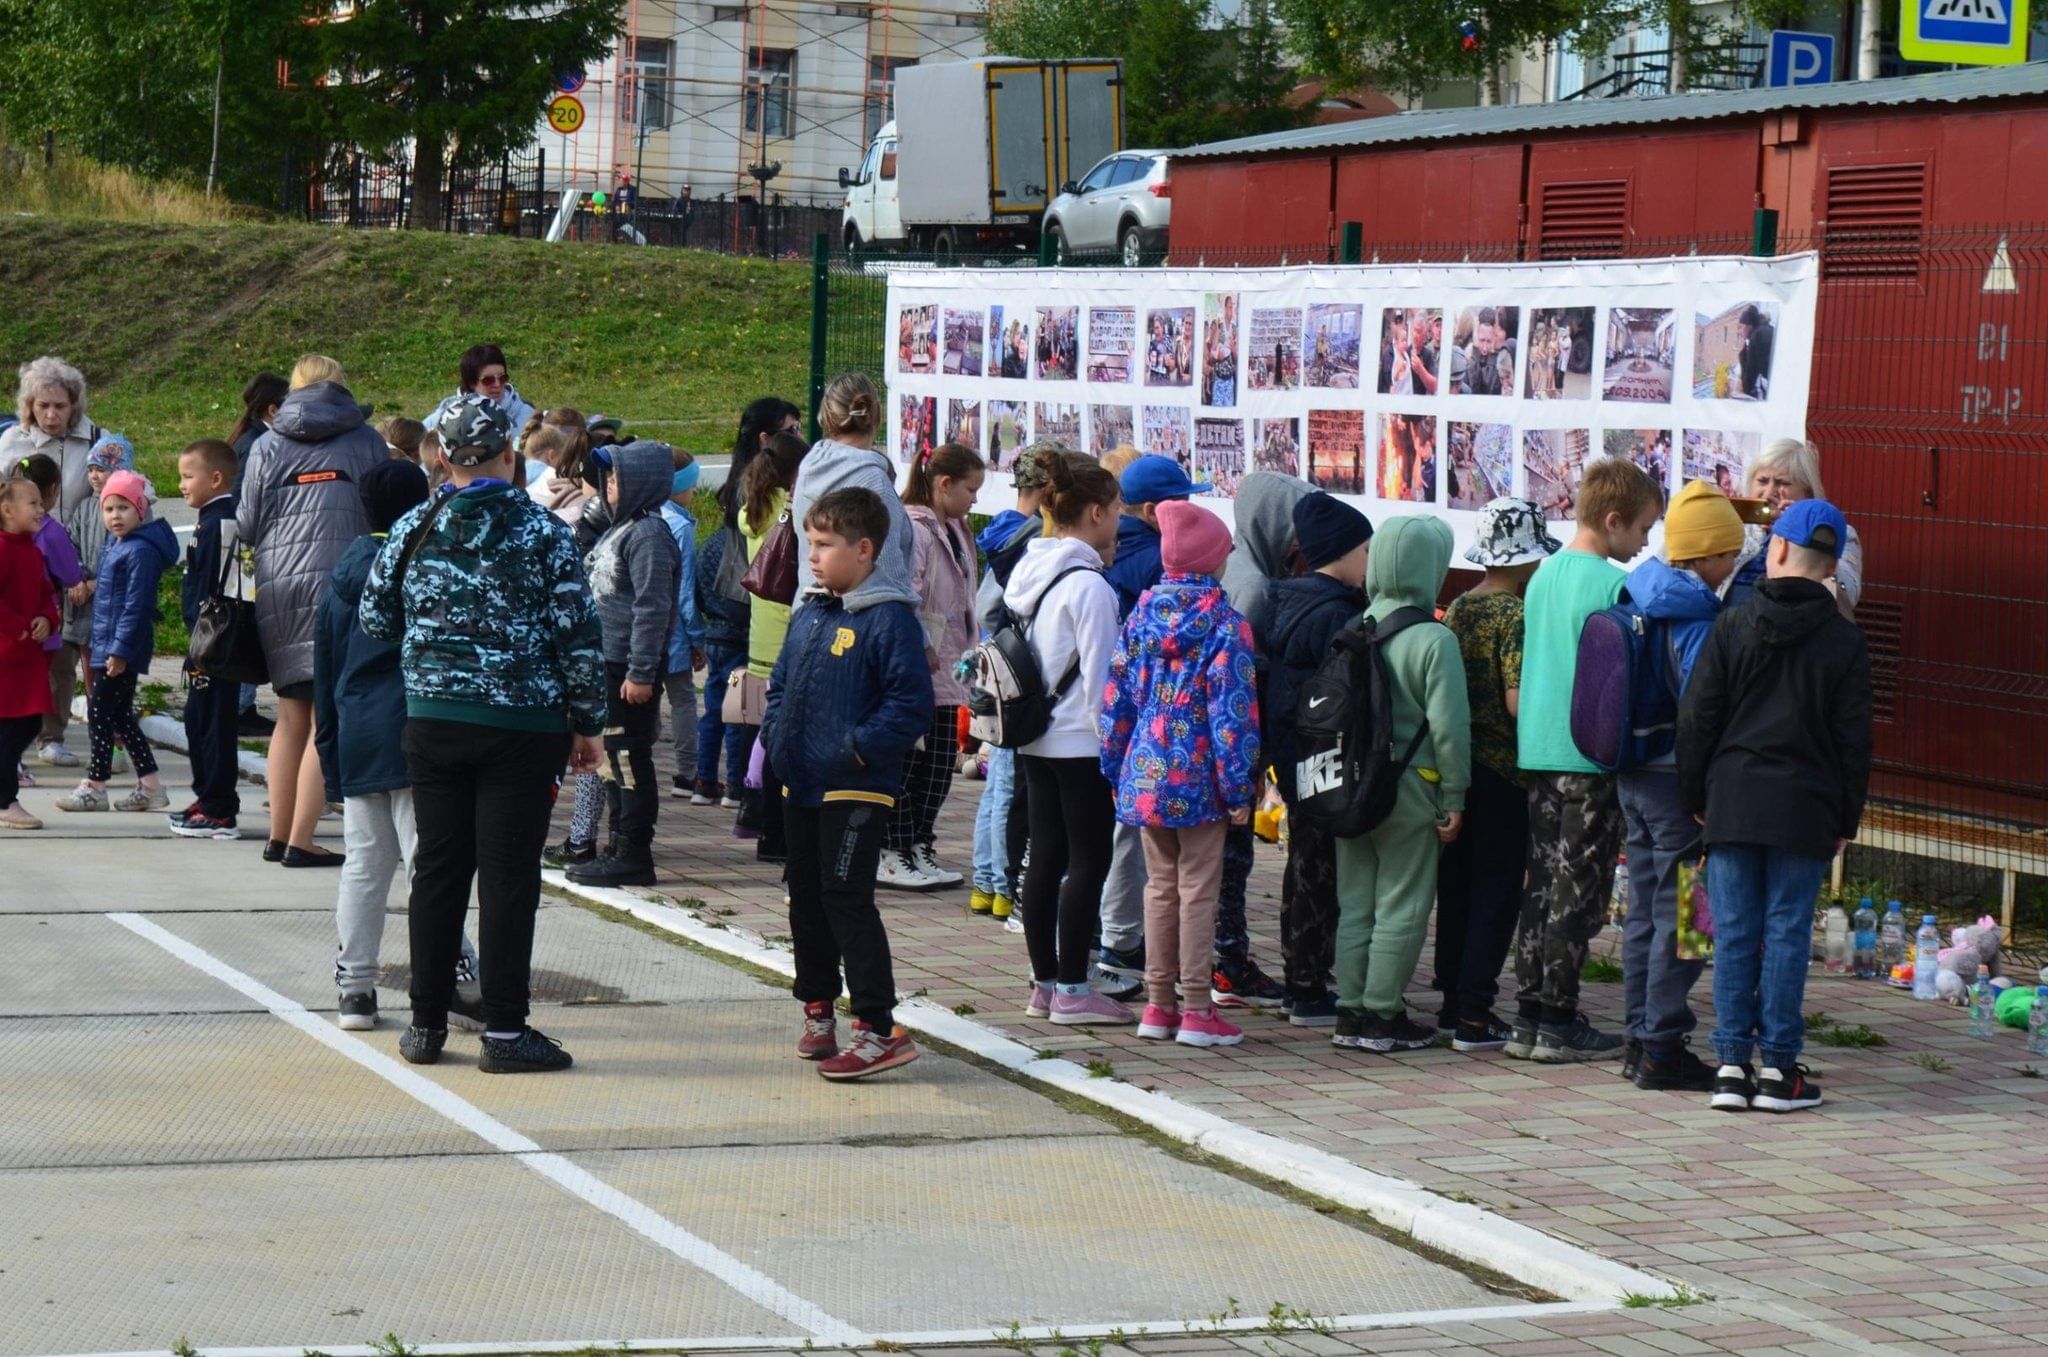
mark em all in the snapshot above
pixel 977 149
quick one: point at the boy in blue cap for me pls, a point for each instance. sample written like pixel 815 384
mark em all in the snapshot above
pixel 1147 483
pixel 1774 760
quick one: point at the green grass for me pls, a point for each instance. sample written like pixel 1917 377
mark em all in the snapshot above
pixel 168 321
pixel 1600 970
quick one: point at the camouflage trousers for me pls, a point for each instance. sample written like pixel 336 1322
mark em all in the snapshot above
pixel 1575 830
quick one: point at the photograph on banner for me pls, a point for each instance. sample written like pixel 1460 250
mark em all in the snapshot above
pixel 1169 431
pixel 1170 346
pixel 1219 456
pixel 1057 423
pixel 1219 349
pixel 1732 349
pixel 1649 449
pixel 1411 339
pixel 1481 463
pixel 917 427
pixel 1009 432
pixel 1109 428
pixel 963 342
pixel 1276 445
pixel 963 423
pixel 1483 344
pixel 1112 338
pixel 1059 343
pixel 1333 338
pixel 917 340
pixel 1560 354
pixel 1273 353
pixel 1408 458
pixel 1642 349
pixel 1553 461
pixel 1010 327
pixel 1336 450
pixel 1718 457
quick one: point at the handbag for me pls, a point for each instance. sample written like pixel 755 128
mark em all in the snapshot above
pixel 772 576
pixel 1695 940
pixel 224 643
pixel 746 700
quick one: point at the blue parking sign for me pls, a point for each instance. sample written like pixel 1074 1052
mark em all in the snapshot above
pixel 1972 32
pixel 1800 59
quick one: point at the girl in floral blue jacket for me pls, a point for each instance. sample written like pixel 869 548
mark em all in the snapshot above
pixel 1180 743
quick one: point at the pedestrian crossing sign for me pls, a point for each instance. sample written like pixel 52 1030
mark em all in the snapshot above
pixel 1970 32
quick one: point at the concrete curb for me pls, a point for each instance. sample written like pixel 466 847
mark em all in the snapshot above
pixel 1466 1232
pixel 168 733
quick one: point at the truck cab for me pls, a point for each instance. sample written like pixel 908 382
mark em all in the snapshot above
pixel 872 212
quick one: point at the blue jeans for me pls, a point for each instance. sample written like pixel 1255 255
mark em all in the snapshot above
pixel 1763 942
pixel 1655 983
pixel 991 818
pixel 712 731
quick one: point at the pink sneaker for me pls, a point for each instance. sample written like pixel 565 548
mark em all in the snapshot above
pixel 1206 1027
pixel 1088 1009
pixel 1039 1005
pixel 1158 1024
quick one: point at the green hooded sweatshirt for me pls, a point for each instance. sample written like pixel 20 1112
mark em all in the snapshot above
pixel 1406 569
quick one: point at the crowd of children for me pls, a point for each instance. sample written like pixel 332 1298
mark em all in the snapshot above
pixel 1172 663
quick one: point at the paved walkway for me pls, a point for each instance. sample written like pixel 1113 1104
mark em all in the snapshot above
pixel 1909 1213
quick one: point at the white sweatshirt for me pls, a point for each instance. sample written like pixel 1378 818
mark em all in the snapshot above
pixel 1076 619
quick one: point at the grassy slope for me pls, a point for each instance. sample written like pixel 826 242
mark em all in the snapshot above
pixel 168 321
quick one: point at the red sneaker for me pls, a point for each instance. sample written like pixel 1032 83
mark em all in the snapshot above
pixel 820 1036
pixel 871 1053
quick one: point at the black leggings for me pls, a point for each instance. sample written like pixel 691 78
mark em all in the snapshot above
pixel 110 717
pixel 17 733
pixel 1073 818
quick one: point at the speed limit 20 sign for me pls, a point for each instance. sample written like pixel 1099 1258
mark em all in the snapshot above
pixel 565 114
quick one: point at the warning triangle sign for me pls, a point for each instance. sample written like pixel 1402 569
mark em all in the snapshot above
pixel 2000 277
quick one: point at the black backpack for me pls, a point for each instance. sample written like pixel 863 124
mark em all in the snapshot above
pixel 1008 702
pixel 1346 772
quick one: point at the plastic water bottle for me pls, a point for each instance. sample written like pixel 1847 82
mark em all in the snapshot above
pixel 1891 945
pixel 2037 1023
pixel 1835 948
pixel 1926 959
pixel 1865 934
pixel 1983 1001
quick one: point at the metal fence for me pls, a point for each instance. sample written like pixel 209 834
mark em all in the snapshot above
pixel 1930 406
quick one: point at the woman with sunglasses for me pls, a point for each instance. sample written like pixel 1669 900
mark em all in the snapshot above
pixel 483 372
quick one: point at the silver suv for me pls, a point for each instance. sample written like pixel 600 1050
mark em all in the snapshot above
pixel 1123 204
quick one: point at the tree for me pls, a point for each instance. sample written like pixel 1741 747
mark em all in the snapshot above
pixel 466 79
pixel 1259 98
pixel 1411 45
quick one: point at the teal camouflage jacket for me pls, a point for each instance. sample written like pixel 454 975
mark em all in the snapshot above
pixel 496 626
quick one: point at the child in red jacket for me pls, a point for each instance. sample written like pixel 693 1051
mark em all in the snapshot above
pixel 28 615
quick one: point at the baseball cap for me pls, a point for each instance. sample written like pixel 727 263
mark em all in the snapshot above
pixel 474 431
pixel 1153 478
pixel 1815 524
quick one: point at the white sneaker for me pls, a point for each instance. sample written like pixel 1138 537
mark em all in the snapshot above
pixel 55 755
pixel 928 863
pixel 899 871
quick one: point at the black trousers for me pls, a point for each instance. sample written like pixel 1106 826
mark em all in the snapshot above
pixel 481 799
pixel 212 709
pixel 17 733
pixel 111 720
pixel 631 789
pixel 1017 836
pixel 835 850
pixel 927 777
pixel 762 808
pixel 1308 909
pixel 1479 896
pixel 1073 824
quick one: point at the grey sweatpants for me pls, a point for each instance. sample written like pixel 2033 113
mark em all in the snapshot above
pixel 377 832
pixel 1123 893
pixel 681 688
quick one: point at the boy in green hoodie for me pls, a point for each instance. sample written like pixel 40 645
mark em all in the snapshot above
pixel 1386 879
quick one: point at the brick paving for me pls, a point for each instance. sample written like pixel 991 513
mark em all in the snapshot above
pixel 1910 1213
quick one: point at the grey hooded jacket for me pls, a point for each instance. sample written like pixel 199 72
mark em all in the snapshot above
pixel 831 465
pixel 301 507
pixel 1265 535
pixel 634 565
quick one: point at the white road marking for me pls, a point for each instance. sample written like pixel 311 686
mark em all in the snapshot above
pixel 757 1286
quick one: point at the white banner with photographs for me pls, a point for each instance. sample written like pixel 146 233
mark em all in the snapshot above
pixel 1394 386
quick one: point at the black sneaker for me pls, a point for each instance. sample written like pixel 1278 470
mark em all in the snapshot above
pixel 1676 1070
pixel 569 851
pixel 1241 984
pixel 197 824
pixel 765 852
pixel 622 870
pixel 1785 1091
pixel 1317 1012
pixel 1734 1087
pixel 358 1012
pixel 1572 1042
pixel 1488 1034
pixel 1402 1033
pixel 681 787
pixel 1521 1043
pixel 466 1004
pixel 1631 1058
pixel 422 1045
pixel 254 725
pixel 1351 1028
pixel 530 1052
pixel 1130 965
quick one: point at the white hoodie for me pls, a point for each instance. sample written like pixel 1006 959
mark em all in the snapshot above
pixel 1076 619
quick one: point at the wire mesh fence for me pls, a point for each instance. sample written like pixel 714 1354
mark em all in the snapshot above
pixel 1929 404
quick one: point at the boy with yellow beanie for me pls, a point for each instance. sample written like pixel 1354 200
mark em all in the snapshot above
pixel 1679 591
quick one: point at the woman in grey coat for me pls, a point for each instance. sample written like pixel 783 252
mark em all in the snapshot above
pixel 301 507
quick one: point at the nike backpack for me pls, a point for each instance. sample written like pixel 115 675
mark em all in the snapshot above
pixel 1346 772
pixel 1624 710
pixel 1008 702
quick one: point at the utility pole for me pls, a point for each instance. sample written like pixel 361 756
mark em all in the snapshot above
pixel 1869 39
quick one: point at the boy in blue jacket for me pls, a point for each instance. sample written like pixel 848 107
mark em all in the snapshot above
pixel 1702 537
pixel 206 478
pixel 686 638
pixel 850 695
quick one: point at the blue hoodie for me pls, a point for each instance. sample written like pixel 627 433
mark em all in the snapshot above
pixel 1136 566
pixel 124 608
pixel 1683 607
pixel 688 633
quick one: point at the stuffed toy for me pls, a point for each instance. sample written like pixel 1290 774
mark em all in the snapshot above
pixel 1969 947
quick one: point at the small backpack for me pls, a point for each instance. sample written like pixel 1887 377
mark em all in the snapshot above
pixel 1346 773
pixel 1008 702
pixel 1624 689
